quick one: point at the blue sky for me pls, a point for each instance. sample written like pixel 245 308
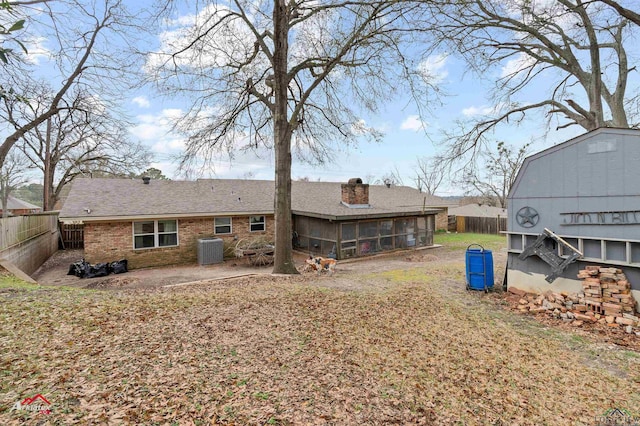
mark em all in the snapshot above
pixel 407 137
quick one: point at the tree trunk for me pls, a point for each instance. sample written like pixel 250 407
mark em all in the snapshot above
pixel 596 120
pixel 47 196
pixel 283 262
pixel 4 196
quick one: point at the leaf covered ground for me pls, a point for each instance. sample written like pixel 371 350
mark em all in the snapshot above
pixel 409 346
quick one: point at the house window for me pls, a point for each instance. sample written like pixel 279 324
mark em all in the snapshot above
pixel 222 225
pixel 256 223
pixel 155 233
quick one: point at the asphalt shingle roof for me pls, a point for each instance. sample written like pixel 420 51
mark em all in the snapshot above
pixel 14 203
pixel 112 199
pixel 475 210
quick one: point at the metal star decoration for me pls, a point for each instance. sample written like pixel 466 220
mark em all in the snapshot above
pixel 527 217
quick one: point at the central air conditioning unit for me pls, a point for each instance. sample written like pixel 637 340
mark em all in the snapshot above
pixel 210 251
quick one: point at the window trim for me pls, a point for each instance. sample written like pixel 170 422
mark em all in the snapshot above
pixel 263 223
pixel 156 234
pixel 230 225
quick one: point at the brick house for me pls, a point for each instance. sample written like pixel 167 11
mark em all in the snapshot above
pixel 17 207
pixel 153 223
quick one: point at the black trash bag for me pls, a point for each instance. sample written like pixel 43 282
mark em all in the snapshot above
pixel 119 266
pixel 74 269
pixel 79 269
pixel 97 270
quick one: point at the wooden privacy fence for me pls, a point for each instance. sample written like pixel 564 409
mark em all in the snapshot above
pixel 481 225
pixel 17 229
pixel 28 241
pixel 72 236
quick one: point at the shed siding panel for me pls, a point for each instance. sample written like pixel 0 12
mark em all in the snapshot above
pixel 574 171
pixel 595 178
pixel 596 174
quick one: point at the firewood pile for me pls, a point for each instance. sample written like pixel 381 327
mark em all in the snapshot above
pixel 605 298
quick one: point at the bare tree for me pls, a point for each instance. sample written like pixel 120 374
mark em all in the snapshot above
pixel 494 179
pixel 87 50
pixel 153 173
pixel 12 175
pixel 393 177
pixel 430 173
pixel 577 48
pixel 288 75
pixel 626 12
pixel 83 137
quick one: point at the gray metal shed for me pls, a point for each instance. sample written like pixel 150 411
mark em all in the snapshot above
pixel 587 191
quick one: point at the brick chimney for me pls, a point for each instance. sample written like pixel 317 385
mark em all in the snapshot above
pixel 355 193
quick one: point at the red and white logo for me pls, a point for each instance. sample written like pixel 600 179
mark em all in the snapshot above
pixel 37 404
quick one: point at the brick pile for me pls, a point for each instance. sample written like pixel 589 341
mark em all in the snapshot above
pixel 607 291
pixel 606 299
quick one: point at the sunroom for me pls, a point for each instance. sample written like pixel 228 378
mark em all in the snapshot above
pixel 362 237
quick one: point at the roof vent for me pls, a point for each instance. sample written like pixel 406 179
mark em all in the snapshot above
pixel 146 179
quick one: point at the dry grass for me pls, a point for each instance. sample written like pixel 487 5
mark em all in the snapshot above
pixel 295 351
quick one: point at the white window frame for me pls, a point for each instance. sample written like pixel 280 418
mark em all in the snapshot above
pixel 156 234
pixel 263 223
pixel 230 225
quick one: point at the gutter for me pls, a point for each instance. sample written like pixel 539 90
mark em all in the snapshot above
pixel 361 215
pixel 366 216
pixel 82 219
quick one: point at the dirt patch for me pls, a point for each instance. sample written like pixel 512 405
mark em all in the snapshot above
pixel 421 257
pixel 114 282
pixel 54 271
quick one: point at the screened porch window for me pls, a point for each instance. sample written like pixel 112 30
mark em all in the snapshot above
pixel 362 237
pixel 373 236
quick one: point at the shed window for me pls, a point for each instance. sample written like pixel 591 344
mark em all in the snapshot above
pixel 256 223
pixel 155 233
pixel 222 225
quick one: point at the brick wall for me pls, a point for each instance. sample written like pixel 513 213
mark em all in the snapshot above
pixel 442 220
pixel 109 241
pixel 355 193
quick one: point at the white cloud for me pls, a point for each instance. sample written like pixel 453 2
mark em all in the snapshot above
pixel 231 42
pixel 498 108
pixel 141 101
pixel 433 69
pixel 156 130
pixel 36 50
pixel 474 110
pixel 413 122
pixel 536 11
pixel 519 63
